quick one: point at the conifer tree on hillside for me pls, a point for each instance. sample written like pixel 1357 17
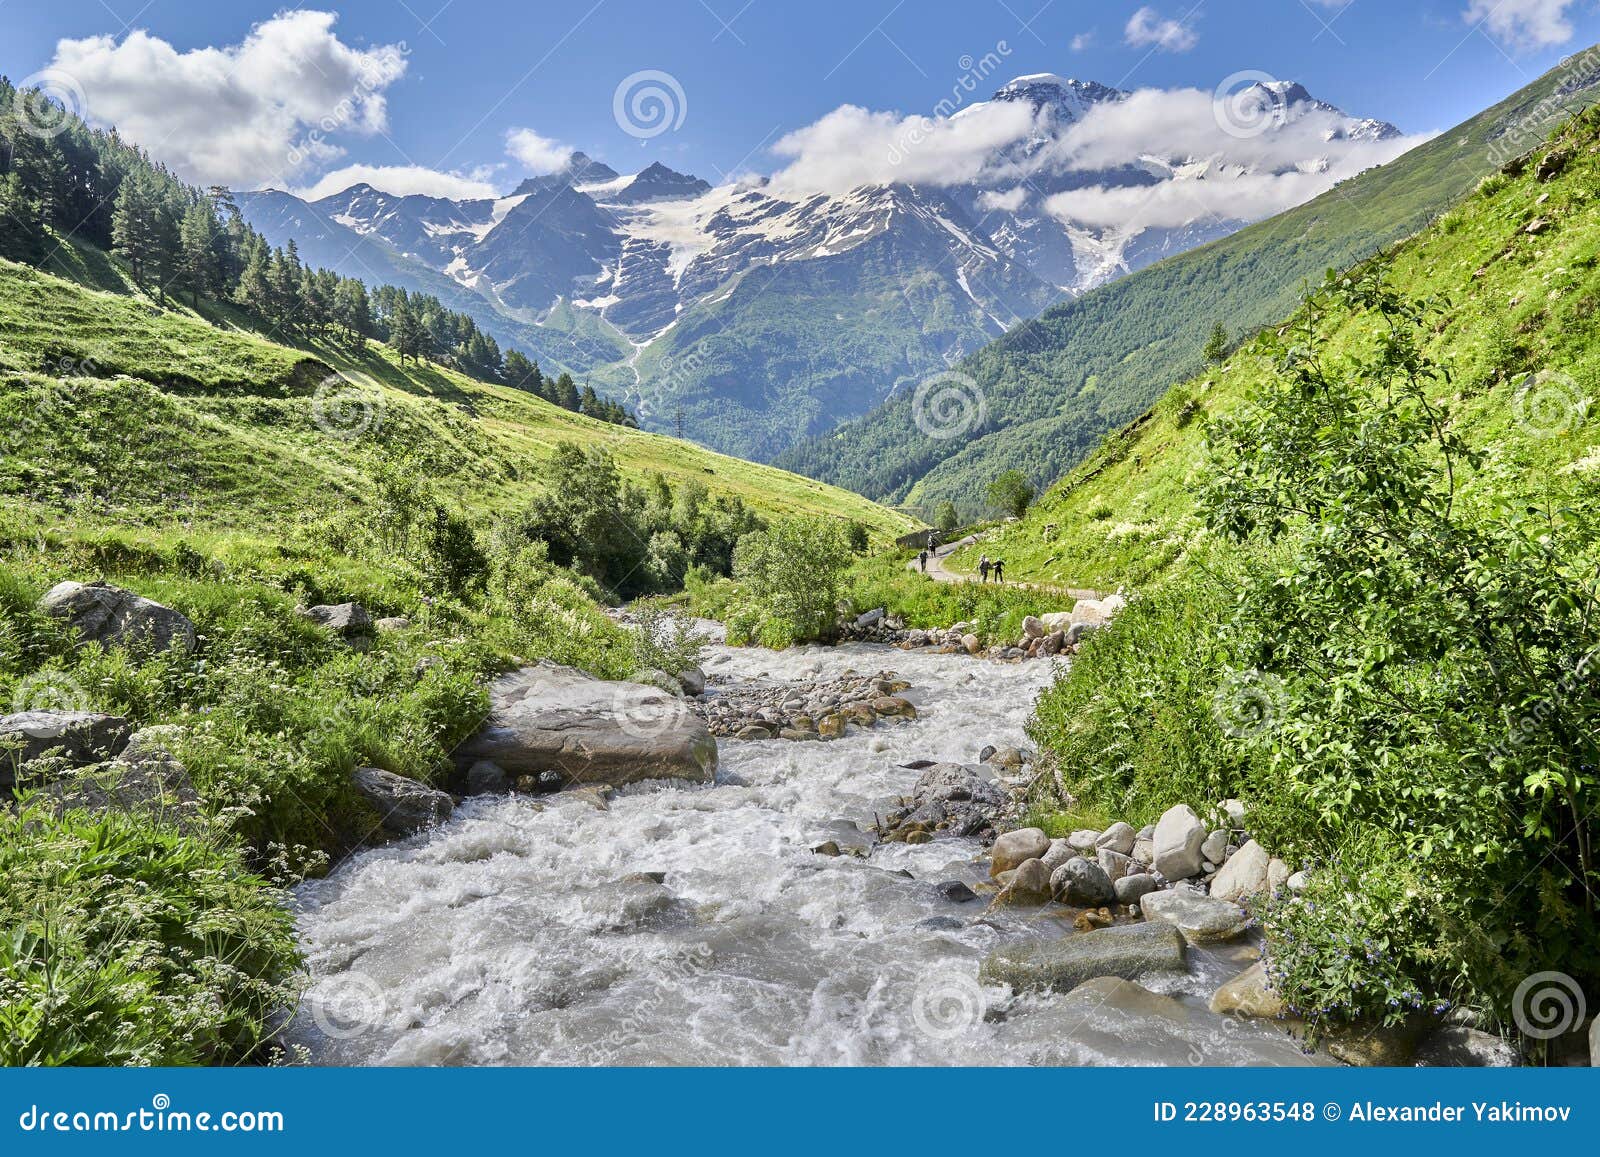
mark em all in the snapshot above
pixel 566 393
pixel 197 239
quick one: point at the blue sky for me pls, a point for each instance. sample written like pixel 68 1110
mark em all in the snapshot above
pixel 456 77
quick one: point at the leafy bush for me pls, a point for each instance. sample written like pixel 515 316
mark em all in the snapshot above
pixel 664 640
pixel 1011 493
pixel 789 576
pixel 126 943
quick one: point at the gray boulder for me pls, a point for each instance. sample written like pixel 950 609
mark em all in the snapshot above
pixel 1128 951
pixel 553 718
pixel 108 616
pixel 1032 628
pixel 486 778
pixel 393 623
pixel 1114 864
pixel 1082 882
pixel 349 621
pixel 1244 875
pixel 1015 848
pixel 1083 840
pixel 1214 848
pixel 1030 883
pixel 1132 889
pixel 1201 919
pixel 692 680
pixel 1119 837
pixel 971 801
pixel 403 805
pixel 82 737
pixel 157 788
pixel 1060 852
pixel 1178 837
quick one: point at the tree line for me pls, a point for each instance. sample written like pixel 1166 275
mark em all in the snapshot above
pixel 61 179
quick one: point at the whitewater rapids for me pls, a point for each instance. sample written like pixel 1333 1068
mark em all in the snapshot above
pixel 510 936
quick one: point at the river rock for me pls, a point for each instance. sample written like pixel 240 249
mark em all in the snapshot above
pixel 1214 849
pixel 1114 864
pixel 1006 758
pixel 486 778
pixel 1455 1046
pixel 1033 628
pixel 1244 875
pixel 1234 812
pixel 832 726
pixel 870 619
pixel 403 805
pixel 1144 850
pixel 1249 994
pixel 1083 840
pixel 1201 919
pixel 754 731
pixel 1015 848
pixel 893 706
pixel 972 802
pixel 1128 951
pixel 1119 837
pixel 692 680
pixel 82 737
pixel 109 616
pixel 1178 837
pixel 972 644
pixel 955 891
pixel 1029 884
pixel 1277 875
pixel 553 718
pixel 1123 995
pixel 1083 883
pixel 1060 852
pixel 1132 889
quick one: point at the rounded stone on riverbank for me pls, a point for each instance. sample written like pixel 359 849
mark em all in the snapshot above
pixel 1201 919
pixel 1127 951
pixel 1015 848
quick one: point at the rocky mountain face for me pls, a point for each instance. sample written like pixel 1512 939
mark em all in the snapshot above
pixel 753 317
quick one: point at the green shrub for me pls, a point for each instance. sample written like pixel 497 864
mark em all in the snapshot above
pixel 789 576
pixel 129 944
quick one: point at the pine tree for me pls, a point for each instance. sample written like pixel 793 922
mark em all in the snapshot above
pixel 254 291
pixel 1216 351
pixel 566 393
pixel 133 227
pixel 198 237
pixel 405 331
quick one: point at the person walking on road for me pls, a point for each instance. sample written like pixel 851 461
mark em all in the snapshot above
pixel 983 569
pixel 922 561
pixel 999 570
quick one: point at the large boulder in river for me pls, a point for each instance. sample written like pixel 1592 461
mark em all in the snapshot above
pixel 553 718
pixel 1179 834
pixel 403 805
pixel 1083 883
pixel 1200 918
pixel 82 737
pixel 108 616
pixel 1128 951
pixel 966 800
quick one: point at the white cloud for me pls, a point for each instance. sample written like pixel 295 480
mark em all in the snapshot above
pixel 402 181
pixel 1526 24
pixel 261 111
pixel 1197 170
pixel 539 155
pixel 1147 28
pixel 1219 175
pixel 1007 201
pixel 1082 41
pixel 852 146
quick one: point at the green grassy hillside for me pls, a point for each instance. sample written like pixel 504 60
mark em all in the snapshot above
pixel 1054 387
pixel 227 420
pixel 1521 304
